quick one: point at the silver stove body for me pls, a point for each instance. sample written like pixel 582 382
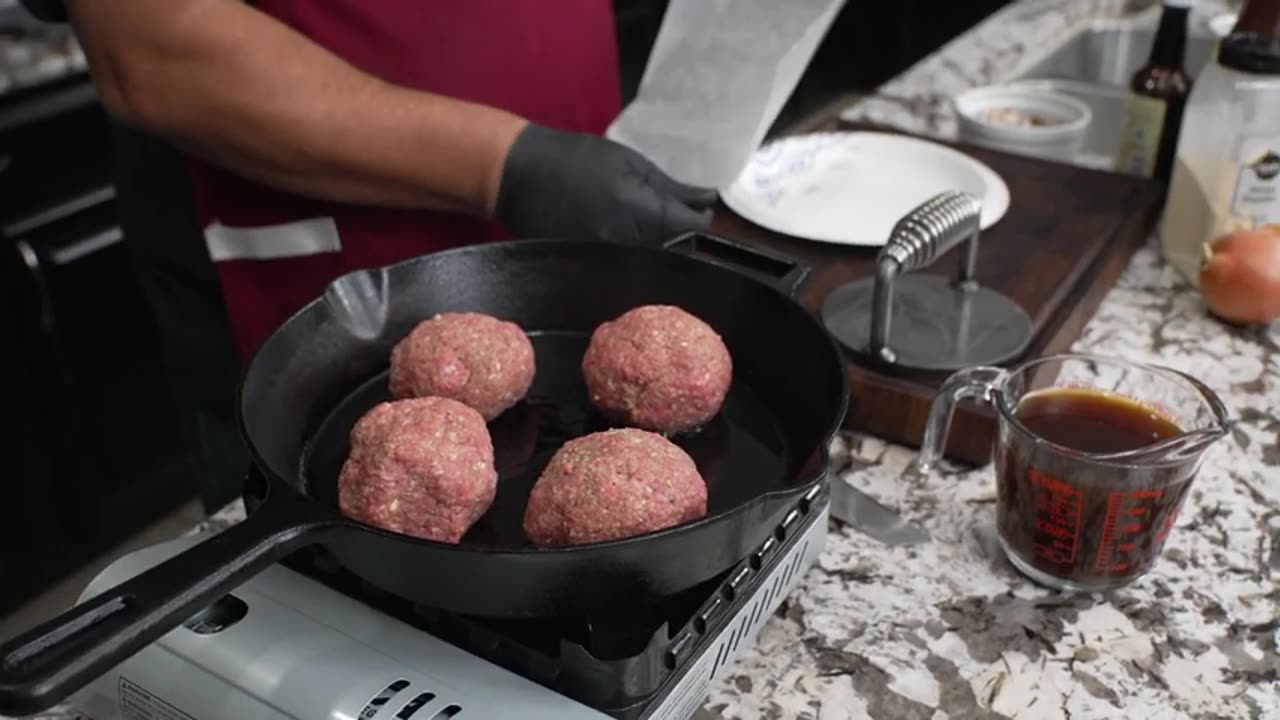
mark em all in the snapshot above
pixel 285 647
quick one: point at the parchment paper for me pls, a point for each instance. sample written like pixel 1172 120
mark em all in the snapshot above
pixel 719 73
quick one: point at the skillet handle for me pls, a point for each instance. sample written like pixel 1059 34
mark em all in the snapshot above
pixel 45 665
pixel 782 272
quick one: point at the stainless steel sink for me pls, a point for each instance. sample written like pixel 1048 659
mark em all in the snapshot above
pixel 1095 65
pixel 1110 53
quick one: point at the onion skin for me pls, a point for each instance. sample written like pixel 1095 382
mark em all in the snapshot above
pixel 1240 275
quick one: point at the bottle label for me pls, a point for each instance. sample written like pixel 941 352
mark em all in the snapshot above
pixel 1140 144
pixel 1256 200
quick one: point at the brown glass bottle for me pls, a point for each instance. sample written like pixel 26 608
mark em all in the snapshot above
pixel 1254 43
pixel 1160 91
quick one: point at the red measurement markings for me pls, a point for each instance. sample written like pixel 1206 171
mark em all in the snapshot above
pixel 1059 508
pixel 1128 516
pixel 1168 525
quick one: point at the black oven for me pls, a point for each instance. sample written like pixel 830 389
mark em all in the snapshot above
pixel 98 451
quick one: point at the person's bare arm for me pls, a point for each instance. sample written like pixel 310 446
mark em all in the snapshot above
pixel 247 92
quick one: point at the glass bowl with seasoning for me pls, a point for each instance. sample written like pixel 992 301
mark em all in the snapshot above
pixel 1025 121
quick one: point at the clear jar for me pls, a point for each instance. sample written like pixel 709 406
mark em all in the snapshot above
pixel 1226 172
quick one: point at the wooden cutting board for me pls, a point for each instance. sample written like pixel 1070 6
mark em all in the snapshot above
pixel 1066 238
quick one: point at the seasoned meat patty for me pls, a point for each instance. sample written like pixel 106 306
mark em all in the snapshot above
pixel 613 484
pixel 421 467
pixel 476 359
pixel 659 368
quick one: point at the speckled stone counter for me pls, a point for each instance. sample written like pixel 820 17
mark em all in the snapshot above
pixel 920 99
pixel 950 626
pixel 948 629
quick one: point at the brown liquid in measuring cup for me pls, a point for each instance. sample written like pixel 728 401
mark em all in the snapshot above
pixel 1090 522
pixel 1092 421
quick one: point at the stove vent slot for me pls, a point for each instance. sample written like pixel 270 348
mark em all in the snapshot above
pixel 371 709
pixel 756 615
pixel 445 714
pixel 756 611
pixel 415 705
pixel 720 658
pixel 793 566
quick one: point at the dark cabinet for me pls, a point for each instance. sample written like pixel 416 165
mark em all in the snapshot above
pixel 28 512
pixel 98 453
pixel 871 42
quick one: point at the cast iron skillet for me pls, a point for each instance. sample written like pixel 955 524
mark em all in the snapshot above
pixel 325 366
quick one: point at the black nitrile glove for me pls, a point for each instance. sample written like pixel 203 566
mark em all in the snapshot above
pixel 558 184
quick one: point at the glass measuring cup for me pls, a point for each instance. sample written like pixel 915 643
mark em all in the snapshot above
pixel 1093 458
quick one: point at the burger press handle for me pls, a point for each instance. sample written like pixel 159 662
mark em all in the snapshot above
pixel 904 320
pixel 927 322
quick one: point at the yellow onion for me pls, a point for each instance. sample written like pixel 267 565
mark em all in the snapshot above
pixel 1240 275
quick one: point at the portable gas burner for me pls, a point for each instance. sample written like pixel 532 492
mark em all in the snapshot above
pixel 307 640
pixel 649 606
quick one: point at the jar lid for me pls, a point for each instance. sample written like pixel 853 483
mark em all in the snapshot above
pixel 1251 52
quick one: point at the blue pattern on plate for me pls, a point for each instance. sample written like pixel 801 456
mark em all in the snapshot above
pixel 775 165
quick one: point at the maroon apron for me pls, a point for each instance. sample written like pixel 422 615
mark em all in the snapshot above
pixel 552 61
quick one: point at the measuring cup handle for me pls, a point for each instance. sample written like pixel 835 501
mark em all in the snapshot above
pixel 980 382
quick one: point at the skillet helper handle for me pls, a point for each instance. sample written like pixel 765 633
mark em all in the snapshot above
pixel 45 665
pixel 926 233
pixel 781 271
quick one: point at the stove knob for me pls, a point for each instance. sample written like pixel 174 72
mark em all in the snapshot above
pixel 762 555
pixel 790 519
pixel 708 617
pixel 675 654
pixel 730 589
pixel 810 497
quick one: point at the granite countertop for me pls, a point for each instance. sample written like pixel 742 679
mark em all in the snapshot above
pixel 950 626
pixel 997 49
pixel 948 629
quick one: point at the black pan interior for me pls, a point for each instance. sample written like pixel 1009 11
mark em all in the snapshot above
pixel 741 453
pixel 326 366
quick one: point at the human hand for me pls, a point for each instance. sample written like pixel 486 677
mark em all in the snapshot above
pixel 558 184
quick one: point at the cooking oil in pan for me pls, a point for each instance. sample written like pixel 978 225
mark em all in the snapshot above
pixel 741 453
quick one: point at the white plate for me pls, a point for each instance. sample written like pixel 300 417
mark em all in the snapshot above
pixel 851 188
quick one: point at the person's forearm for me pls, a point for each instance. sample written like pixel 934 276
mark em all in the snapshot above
pixel 248 93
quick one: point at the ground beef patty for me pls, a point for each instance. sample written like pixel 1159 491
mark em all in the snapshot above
pixel 421 467
pixel 613 484
pixel 477 359
pixel 659 368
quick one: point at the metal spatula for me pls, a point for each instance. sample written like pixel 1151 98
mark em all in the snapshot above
pixel 865 514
